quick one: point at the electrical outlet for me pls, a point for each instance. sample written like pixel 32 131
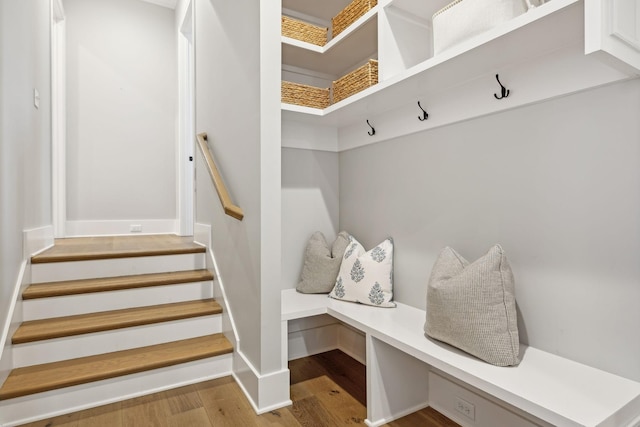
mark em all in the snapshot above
pixel 135 228
pixel 465 408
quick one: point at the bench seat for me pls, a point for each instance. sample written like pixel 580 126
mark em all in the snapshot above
pixel 552 389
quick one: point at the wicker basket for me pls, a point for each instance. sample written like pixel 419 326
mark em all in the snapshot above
pixel 304 31
pixel 350 14
pixel 356 81
pixel 307 96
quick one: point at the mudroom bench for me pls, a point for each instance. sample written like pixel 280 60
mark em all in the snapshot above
pixel 407 372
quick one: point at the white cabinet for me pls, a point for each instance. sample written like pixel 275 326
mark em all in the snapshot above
pixel 612 30
pixel 539 55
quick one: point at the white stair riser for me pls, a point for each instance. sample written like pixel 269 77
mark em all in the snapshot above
pixel 44 308
pixel 74 270
pixel 57 349
pixel 39 406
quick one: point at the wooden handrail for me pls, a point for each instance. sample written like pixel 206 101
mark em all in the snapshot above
pixel 228 206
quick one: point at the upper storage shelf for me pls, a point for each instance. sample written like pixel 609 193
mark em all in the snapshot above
pixel 340 53
pixel 408 74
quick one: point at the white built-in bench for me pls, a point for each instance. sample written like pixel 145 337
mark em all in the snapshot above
pixel 407 372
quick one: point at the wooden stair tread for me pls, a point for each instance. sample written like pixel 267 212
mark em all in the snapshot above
pixel 74 287
pixel 58 327
pixel 108 247
pixel 50 376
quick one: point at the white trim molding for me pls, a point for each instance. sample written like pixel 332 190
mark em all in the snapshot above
pixel 264 392
pixel 185 150
pixel 58 10
pixel 37 240
pixel 11 321
pixel 121 227
pixel 58 118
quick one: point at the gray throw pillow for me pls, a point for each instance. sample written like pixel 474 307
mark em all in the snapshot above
pixel 473 307
pixel 322 263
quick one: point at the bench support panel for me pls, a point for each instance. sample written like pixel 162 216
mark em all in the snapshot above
pixel 397 384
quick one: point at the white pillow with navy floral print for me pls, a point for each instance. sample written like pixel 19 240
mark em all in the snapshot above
pixel 366 277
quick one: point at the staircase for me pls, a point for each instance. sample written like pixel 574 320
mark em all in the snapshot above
pixel 110 318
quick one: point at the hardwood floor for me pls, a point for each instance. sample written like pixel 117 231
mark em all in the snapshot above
pixel 44 329
pixel 65 373
pixel 89 248
pixel 327 390
pixel 119 283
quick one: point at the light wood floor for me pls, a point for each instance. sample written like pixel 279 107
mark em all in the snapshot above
pixel 327 390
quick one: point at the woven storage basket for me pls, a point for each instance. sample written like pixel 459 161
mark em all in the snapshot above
pixel 463 19
pixel 307 96
pixel 356 81
pixel 350 14
pixel 304 31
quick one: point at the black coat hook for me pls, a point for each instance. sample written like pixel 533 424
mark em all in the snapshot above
pixel 425 115
pixel 373 131
pixel 504 90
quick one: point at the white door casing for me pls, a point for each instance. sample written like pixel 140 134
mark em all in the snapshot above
pixel 58 119
pixel 186 119
pixel 186 124
pixel 612 30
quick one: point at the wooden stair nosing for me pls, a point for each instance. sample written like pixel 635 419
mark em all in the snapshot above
pixel 51 376
pixel 43 329
pixel 88 256
pixel 75 287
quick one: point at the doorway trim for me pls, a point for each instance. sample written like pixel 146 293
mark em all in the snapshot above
pixel 58 119
pixel 186 123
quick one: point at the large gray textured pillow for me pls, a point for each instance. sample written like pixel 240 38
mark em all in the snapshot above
pixel 322 263
pixel 473 306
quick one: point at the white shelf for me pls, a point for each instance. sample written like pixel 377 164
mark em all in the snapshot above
pixel 324 10
pixel 554 25
pixel 353 45
pixel 419 8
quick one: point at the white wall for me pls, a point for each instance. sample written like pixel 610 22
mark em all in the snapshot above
pixel 555 183
pixel 25 138
pixel 237 105
pixel 122 109
pixel 310 189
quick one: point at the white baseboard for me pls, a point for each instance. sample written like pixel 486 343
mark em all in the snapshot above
pixel 265 392
pixel 202 234
pixel 11 321
pixel 398 415
pixel 121 227
pixel 37 240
